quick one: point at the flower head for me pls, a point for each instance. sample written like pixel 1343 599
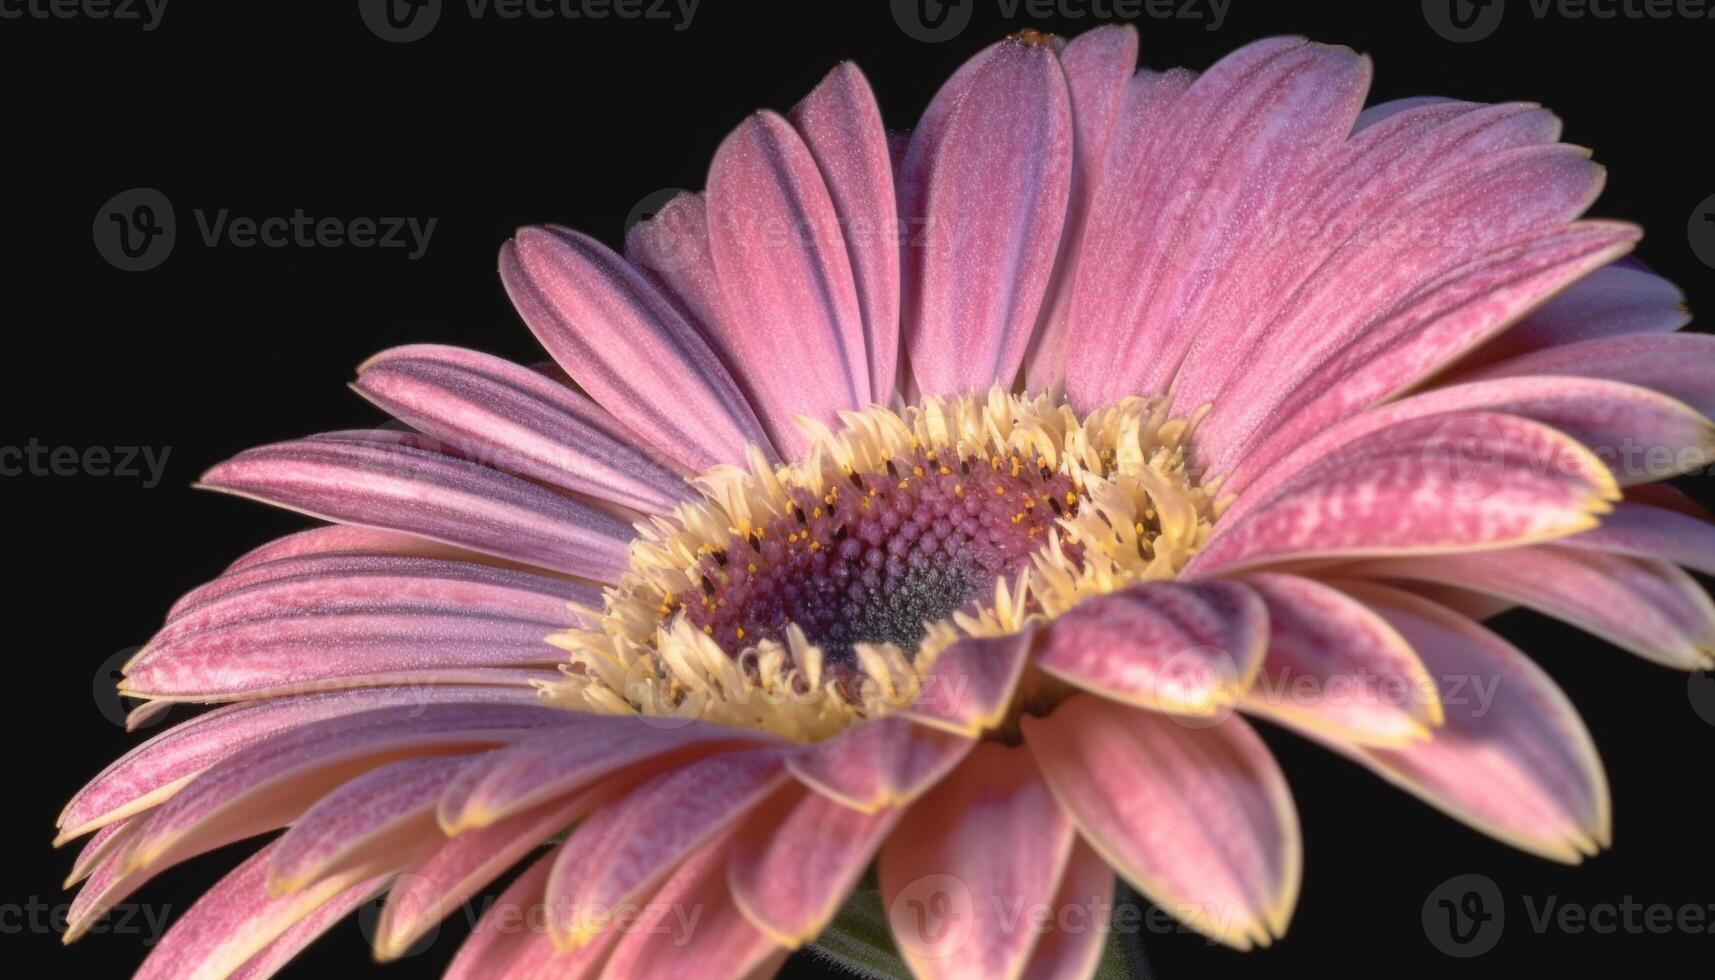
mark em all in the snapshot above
pixel 943 506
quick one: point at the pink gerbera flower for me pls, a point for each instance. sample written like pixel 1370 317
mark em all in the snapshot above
pixel 929 505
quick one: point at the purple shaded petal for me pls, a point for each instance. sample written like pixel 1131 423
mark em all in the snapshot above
pixel 1071 948
pixel 1513 759
pixel 841 125
pixel 1648 607
pixel 1661 533
pixel 1679 365
pixel 432 496
pixel 628 347
pixel 511 418
pixel 1618 299
pixel 969 687
pixel 626 848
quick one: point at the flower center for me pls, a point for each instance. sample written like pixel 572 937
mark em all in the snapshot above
pixel 879 555
pixel 801 598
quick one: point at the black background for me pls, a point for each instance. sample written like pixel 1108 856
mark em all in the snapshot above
pixel 489 124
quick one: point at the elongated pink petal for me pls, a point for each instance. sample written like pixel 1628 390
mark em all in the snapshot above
pixel 272 781
pixel 878 764
pixel 1080 923
pixel 628 847
pixel 1321 379
pixel 987 844
pixel 1513 759
pixel 273 957
pixel 1639 433
pixel 841 125
pixel 1335 666
pixel 795 327
pixel 511 939
pixel 1182 647
pixel 590 749
pixel 1679 365
pixel 1459 482
pixel 797 858
pixel 1098 64
pixel 432 496
pixel 1185 205
pixel 984 188
pixel 1660 533
pixel 1198 820
pixel 353 620
pixel 691 928
pixel 100 845
pixel 511 418
pixel 628 347
pixel 236 919
pixel 155 770
pixel 1623 298
pixel 390 809
pixel 969 687
pixel 1648 607
pixel 430 890
pixel 345 539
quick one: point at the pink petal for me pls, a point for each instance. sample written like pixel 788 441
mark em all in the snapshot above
pixel 1335 666
pixel 628 847
pixel 1623 298
pixel 1072 948
pixel 154 771
pixel 983 195
pixel 986 845
pixel 1513 758
pixel 1464 481
pixel 236 919
pixel 589 750
pixel 432 496
pixel 1178 208
pixel 969 688
pixel 1098 63
pixel 432 889
pixel 1648 607
pixel 271 782
pixel 691 928
pixel 340 538
pixel 878 764
pixel 796 860
pixel 1320 377
pixel 795 328
pixel 511 939
pixel 1199 820
pixel 511 418
pixel 628 347
pixel 1631 429
pixel 1182 647
pixel 1660 533
pixel 274 957
pixel 1679 365
pixel 350 621
pixel 97 849
pixel 390 809
pixel 841 125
